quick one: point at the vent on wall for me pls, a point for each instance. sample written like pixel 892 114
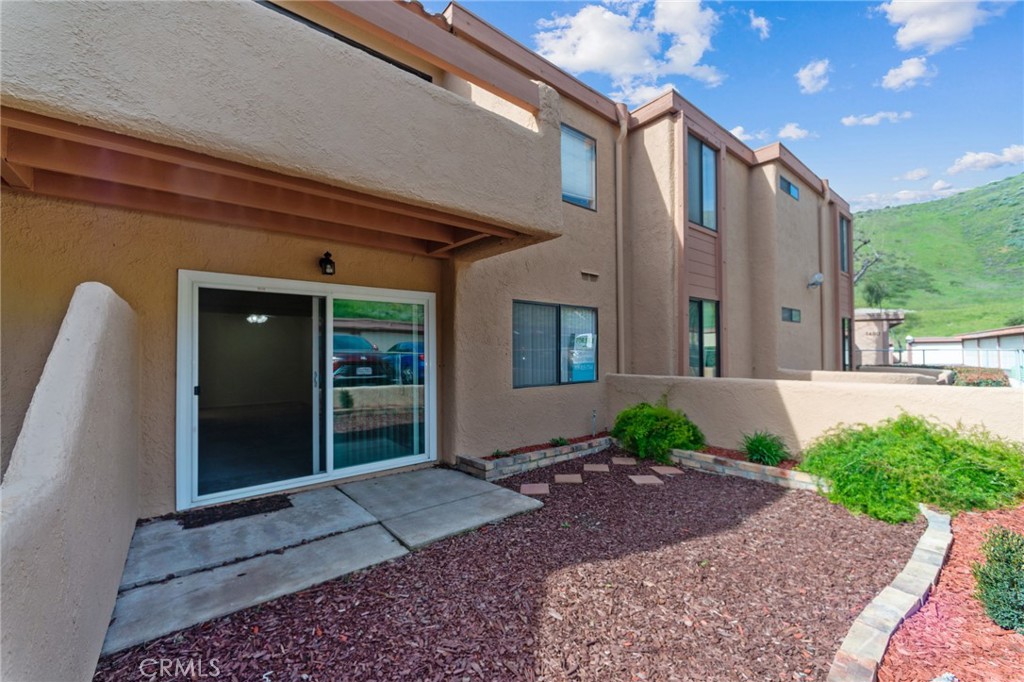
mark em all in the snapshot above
pixel 589 276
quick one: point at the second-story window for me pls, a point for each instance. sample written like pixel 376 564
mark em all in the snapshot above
pixel 579 168
pixel 701 183
pixel 844 244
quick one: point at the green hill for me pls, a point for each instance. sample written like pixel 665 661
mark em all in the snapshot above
pixel 972 246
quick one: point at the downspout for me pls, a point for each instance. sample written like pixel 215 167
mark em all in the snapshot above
pixel 622 113
pixel 826 196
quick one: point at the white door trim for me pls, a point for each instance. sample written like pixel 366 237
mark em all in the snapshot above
pixel 186 419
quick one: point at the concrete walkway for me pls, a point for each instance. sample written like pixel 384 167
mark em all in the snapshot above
pixel 175 578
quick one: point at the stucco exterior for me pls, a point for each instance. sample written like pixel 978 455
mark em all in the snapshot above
pixel 50 246
pixel 801 411
pixel 69 499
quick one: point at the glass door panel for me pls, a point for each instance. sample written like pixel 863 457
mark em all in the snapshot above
pixel 379 372
pixel 258 388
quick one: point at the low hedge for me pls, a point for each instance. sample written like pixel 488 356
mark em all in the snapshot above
pixel 651 431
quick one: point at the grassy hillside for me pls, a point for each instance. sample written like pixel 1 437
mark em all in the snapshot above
pixel 972 244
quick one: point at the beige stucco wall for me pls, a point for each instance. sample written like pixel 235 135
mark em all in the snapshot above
pixel 69 500
pixel 762 221
pixel 238 81
pixel 488 413
pixel 50 246
pixel 651 245
pixel 800 411
pixel 856 377
pixel 742 283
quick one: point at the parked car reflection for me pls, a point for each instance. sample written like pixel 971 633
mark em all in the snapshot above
pixel 407 362
pixel 357 362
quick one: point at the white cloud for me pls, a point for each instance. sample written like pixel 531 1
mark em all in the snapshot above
pixel 904 196
pixel 875 119
pixel 908 74
pixel 934 25
pixel 626 41
pixel 1012 155
pixel 793 131
pixel 940 185
pixel 916 174
pixel 813 77
pixel 742 134
pixel 761 25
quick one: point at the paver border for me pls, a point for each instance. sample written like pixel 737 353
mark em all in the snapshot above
pixel 865 644
pixel 713 464
pixel 494 469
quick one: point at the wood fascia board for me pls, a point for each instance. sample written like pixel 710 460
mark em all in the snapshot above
pixel 13 174
pixel 73 158
pixel 777 152
pixel 175 205
pixel 424 39
pixel 672 103
pixel 36 123
pixel 465 24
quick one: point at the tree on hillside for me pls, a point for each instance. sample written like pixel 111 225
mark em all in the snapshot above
pixel 892 278
pixel 865 257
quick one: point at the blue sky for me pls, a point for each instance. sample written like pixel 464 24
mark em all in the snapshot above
pixel 894 102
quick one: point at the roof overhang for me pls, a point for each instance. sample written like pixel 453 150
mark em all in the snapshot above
pixel 55 158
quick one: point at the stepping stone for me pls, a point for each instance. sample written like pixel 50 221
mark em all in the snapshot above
pixel 666 471
pixel 596 467
pixel 646 480
pixel 534 489
pixel 624 460
pixel 568 478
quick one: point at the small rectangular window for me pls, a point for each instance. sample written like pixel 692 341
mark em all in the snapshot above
pixel 847 333
pixel 844 244
pixel 790 315
pixel 704 361
pixel 789 188
pixel 579 168
pixel 701 183
pixel 553 344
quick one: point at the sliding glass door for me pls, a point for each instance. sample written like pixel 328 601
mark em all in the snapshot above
pixel 284 383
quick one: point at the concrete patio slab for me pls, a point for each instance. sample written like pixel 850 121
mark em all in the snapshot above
pixel 424 526
pixel 163 548
pixel 534 489
pixel 568 478
pixel 155 610
pixel 389 497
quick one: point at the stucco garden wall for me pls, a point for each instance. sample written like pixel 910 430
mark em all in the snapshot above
pixel 800 411
pixel 50 246
pixel 858 377
pixel 238 81
pixel 70 496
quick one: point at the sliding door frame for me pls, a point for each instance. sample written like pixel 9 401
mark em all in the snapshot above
pixel 187 378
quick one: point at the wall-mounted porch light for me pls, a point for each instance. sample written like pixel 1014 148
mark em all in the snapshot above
pixel 815 281
pixel 326 264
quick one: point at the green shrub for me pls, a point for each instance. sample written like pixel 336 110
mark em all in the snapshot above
pixel 499 453
pixel 559 441
pixel 764 447
pixel 345 401
pixel 1001 578
pixel 651 431
pixel 885 470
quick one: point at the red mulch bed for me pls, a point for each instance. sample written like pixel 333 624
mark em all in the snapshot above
pixel 742 457
pixel 702 578
pixel 951 633
pixel 544 446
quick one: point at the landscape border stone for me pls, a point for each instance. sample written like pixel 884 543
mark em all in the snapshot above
pixel 494 469
pixel 714 464
pixel 862 650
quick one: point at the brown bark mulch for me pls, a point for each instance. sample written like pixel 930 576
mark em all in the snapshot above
pixel 701 578
pixel 951 633
pixel 544 446
pixel 741 456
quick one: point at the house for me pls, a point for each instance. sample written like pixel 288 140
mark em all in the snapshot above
pixel 997 348
pixel 476 201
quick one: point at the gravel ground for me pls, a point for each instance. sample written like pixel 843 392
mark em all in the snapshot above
pixel 702 578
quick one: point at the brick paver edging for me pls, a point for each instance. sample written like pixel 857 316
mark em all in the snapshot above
pixel 865 644
pixel 493 469
pixel 712 464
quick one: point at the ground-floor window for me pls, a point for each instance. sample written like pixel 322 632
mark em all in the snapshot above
pixel 284 383
pixel 704 356
pixel 847 333
pixel 553 344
